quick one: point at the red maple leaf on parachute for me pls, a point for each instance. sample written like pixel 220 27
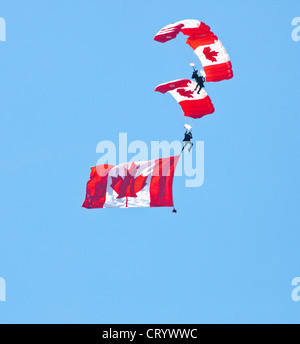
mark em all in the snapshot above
pixel 129 186
pixel 185 93
pixel 210 54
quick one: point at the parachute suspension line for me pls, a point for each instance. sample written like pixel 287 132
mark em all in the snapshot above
pixel 188 122
pixel 195 57
pixel 194 60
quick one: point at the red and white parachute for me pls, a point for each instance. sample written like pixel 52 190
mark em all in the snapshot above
pixel 193 104
pixel 206 45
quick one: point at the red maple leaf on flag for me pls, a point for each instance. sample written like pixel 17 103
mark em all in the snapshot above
pixel 210 54
pixel 185 93
pixel 129 186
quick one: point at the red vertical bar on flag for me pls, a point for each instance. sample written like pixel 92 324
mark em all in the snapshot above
pixel 96 187
pixel 161 194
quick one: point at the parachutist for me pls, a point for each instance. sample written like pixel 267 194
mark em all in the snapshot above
pixel 199 79
pixel 187 140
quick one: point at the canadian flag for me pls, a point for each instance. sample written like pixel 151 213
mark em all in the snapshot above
pixel 193 104
pixel 132 184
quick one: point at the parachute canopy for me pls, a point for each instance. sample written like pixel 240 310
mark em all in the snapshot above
pixel 193 104
pixel 205 43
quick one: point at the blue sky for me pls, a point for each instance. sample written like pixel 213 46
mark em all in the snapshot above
pixel 74 73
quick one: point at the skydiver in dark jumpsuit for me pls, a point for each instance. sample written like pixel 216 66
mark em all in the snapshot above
pixel 199 79
pixel 187 140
